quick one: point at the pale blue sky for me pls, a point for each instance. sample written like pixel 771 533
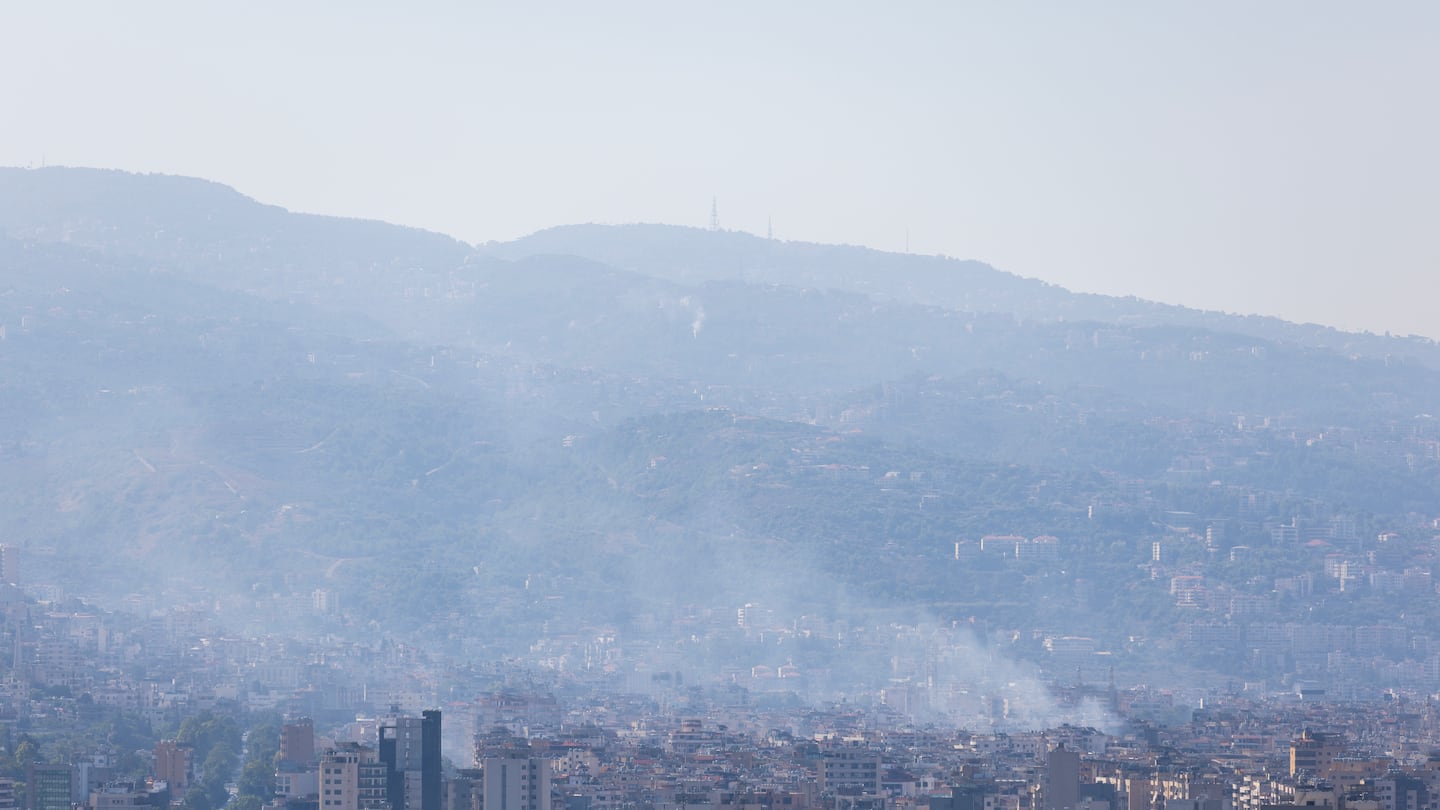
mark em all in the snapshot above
pixel 1269 157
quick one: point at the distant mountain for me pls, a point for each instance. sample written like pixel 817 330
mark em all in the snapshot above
pixel 203 232
pixel 595 424
pixel 692 255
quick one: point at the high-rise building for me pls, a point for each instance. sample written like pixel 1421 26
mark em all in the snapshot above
pixel 89 774
pixel 851 769
pixel 297 741
pixel 172 766
pixel 1062 779
pixel 410 748
pixel 515 782
pixel 461 791
pixel 352 777
pixel 1314 753
pixel 49 787
pixel 1401 792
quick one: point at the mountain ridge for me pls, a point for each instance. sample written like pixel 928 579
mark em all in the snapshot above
pixel 1046 301
pixel 278 404
pixel 32 199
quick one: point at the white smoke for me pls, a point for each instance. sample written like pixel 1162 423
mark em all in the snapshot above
pixel 687 305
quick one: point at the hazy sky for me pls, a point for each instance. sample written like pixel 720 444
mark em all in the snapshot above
pixel 1271 157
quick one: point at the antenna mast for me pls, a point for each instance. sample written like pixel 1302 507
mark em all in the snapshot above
pixel 714 215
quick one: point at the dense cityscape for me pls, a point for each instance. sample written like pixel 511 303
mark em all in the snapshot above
pixel 303 513
pixel 116 710
pixel 645 405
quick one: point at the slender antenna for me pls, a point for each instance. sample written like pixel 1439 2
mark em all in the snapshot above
pixel 769 228
pixel 714 215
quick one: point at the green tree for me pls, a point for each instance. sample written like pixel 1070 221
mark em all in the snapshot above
pixel 257 780
pixel 197 798
pixel 26 754
pixel 219 764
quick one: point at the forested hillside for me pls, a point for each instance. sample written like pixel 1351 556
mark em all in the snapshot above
pixel 602 424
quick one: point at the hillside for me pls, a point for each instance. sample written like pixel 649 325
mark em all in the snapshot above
pixel 204 394
pixel 692 255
